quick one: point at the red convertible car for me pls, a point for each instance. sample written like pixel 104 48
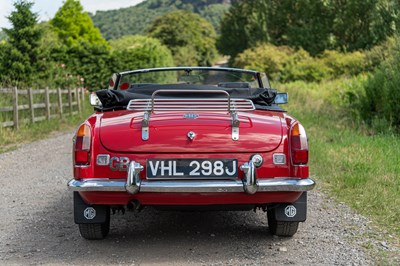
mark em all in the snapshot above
pixel 190 138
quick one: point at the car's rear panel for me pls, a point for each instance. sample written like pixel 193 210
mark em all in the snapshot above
pixel 122 132
pixel 116 134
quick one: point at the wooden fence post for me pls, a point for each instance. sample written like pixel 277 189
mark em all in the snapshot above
pixel 78 100
pixel 31 107
pixel 83 96
pixel 70 100
pixel 15 107
pixel 60 104
pixel 47 102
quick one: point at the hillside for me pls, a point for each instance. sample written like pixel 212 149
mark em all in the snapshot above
pixel 135 20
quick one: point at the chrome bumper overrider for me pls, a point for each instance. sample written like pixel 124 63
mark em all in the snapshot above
pixel 133 184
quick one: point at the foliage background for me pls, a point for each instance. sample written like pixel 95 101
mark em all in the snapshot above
pixel 338 59
pixel 136 19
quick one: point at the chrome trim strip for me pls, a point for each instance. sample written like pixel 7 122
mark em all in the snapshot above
pixel 285 184
pixel 98 184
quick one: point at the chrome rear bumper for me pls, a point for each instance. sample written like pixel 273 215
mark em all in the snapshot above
pixel 268 185
pixel 133 184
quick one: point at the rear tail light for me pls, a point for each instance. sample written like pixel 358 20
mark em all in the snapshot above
pixel 298 144
pixel 82 145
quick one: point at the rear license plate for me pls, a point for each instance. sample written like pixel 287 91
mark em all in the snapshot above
pixel 192 168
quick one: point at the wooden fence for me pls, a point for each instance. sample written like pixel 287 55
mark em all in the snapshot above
pixel 73 104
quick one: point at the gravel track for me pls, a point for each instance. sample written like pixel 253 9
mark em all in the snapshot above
pixel 37 227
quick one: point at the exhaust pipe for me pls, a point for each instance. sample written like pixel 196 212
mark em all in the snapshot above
pixel 134 205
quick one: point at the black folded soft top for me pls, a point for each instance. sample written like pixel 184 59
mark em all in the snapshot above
pixel 262 98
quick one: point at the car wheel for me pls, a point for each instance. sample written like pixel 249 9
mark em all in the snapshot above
pixel 281 228
pixel 94 231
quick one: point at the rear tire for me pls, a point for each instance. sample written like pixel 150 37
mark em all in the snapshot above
pixel 281 228
pixel 94 231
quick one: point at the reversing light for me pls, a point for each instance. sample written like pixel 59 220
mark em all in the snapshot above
pixel 82 145
pixel 279 158
pixel 103 159
pixel 298 144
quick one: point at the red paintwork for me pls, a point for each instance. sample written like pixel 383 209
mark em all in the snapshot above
pixel 118 133
pixel 110 198
pixel 122 132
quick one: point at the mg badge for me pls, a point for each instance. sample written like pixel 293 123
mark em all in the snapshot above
pixel 89 213
pixel 191 135
pixel 290 211
pixel 190 116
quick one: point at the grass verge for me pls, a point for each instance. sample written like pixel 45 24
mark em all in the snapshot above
pixel 353 165
pixel 10 139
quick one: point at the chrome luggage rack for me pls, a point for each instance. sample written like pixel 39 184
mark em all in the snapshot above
pixel 225 105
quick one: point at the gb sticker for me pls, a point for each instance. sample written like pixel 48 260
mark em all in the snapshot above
pixel 89 213
pixel 290 211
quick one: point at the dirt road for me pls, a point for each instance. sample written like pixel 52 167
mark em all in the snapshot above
pixel 36 225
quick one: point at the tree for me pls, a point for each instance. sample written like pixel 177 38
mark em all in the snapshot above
pixel 213 14
pixel 314 25
pixel 361 24
pixel 3 36
pixel 300 24
pixel 84 52
pixel 190 37
pixel 73 25
pixel 91 63
pixel 244 26
pixel 134 52
pixel 21 58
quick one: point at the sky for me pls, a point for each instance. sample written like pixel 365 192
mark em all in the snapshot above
pixel 47 8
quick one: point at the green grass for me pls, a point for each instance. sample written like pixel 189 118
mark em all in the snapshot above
pixel 348 161
pixel 11 139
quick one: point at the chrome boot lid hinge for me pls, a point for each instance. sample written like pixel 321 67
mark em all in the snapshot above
pixel 235 126
pixel 145 125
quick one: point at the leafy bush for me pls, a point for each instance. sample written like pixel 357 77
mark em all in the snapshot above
pixel 302 66
pixel 382 92
pixel 286 64
pixel 266 58
pixel 133 52
pixel 190 37
pixel 380 53
pixel 344 64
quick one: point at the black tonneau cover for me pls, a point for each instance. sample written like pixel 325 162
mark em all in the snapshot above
pixel 262 98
